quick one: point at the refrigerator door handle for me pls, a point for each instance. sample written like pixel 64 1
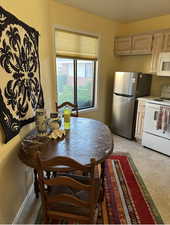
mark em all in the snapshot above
pixel 123 95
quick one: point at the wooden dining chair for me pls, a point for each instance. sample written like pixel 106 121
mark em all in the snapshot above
pixel 73 106
pixel 68 196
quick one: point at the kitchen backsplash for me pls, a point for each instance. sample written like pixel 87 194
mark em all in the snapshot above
pixel 136 63
pixel 158 83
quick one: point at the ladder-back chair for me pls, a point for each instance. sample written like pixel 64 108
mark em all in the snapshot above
pixel 73 106
pixel 65 195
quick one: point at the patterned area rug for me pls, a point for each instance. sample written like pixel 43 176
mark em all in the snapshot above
pixel 126 199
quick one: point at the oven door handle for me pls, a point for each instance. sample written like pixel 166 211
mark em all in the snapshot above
pixel 155 115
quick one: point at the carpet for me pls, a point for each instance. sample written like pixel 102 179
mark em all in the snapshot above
pixel 126 199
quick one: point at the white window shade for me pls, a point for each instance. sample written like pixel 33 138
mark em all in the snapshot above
pixel 76 45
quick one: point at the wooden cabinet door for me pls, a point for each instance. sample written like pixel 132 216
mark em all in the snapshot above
pixel 166 47
pixel 123 45
pixel 142 44
pixel 140 120
pixel 156 49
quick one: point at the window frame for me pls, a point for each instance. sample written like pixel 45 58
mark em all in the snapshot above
pixel 94 91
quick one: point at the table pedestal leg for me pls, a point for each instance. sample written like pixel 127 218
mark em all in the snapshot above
pixel 36 188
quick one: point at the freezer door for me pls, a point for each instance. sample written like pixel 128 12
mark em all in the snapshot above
pixel 143 85
pixel 125 83
pixel 123 116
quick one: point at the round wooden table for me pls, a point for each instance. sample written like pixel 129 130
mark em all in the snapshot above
pixel 86 139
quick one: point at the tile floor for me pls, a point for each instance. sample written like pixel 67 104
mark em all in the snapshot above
pixel 152 166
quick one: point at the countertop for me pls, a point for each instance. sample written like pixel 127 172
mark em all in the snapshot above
pixel 147 98
pixel 150 99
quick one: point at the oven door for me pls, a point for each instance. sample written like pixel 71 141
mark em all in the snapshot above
pixel 150 121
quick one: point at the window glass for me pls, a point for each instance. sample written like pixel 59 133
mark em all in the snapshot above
pixel 85 83
pixel 65 80
pixel 165 66
pixel 76 81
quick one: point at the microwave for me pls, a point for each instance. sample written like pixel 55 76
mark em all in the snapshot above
pixel 164 64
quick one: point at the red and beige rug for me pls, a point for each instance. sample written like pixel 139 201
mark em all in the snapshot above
pixel 126 200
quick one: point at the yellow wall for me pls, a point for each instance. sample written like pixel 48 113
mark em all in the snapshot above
pixel 147 25
pixel 15 178
pixel 78 20
pixel 43 15
pixel 142 63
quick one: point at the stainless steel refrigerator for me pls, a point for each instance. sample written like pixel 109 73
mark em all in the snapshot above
pixel 127 87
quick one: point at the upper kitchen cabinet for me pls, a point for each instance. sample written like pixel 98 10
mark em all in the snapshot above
pixel 166 47
pixel 160 62
pixel 122 45
pixel 134 45
pixel 158 40
pixel 141 44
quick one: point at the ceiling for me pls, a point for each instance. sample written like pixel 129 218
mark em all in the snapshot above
pixel 124 11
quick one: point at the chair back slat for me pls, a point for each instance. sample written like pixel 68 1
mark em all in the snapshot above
pixel 67 198
pixel 74 106
pixel 68 181
pixel 54 215
pixel 63 161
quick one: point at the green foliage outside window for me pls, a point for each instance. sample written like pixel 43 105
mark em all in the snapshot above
pixel 84 94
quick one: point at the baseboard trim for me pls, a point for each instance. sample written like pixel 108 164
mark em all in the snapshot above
pixel 16 219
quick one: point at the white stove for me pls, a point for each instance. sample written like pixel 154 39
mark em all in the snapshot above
pixel 154 137
pixel 159 101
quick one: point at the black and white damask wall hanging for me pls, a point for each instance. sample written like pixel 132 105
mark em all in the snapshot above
pixel 20 87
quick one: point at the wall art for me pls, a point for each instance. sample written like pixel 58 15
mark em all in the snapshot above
pixel 20 87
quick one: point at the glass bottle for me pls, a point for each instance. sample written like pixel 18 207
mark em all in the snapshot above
pixel 67 116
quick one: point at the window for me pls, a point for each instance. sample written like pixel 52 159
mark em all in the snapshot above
pixel 76 81
pixel 76 63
